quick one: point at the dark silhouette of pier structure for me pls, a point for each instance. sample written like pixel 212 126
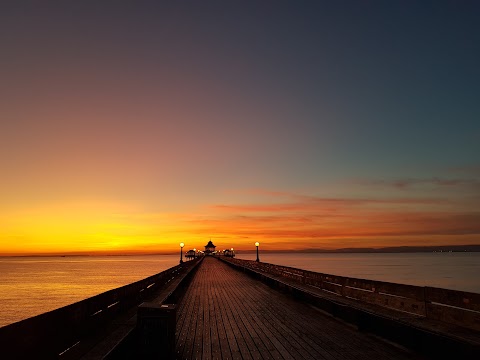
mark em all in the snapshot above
pixel 218 307
pixel 210 248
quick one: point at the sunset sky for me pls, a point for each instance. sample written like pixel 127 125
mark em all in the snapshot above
pixel 129 127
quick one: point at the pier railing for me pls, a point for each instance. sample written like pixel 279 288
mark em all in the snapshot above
pixel 51 335
pixel 451 306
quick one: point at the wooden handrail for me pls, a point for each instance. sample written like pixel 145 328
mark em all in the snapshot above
pixel 451 306
pixel 50 334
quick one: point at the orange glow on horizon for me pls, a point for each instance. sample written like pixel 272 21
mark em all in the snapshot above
pixel 95 227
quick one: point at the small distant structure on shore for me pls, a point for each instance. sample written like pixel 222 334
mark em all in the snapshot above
pixel 229 253
pixel 210 248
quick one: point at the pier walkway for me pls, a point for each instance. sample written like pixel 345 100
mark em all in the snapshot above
pixel 226 308
pixel 225 314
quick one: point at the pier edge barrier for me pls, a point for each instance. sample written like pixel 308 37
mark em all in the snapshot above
pixel 423 341
pixel 127 346
pixel 156 330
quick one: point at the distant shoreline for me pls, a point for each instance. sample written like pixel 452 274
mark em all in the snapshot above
pixel 387 250
pixel 384 250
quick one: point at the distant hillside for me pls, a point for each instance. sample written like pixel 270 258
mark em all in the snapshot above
pixel 392 249
pixel 410 249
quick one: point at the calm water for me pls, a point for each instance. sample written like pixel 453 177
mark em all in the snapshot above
pixel 457 271
pixel 31 286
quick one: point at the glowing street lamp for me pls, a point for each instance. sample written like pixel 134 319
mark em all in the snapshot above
pixel 194 253
pixel 257 244
pixel 181 252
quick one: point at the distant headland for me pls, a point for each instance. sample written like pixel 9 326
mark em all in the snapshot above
pixel 359 250
pixel 390 249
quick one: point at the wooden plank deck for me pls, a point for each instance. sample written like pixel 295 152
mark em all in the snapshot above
pixel 225 314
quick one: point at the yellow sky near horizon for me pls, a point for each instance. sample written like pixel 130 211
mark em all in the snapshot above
pixel 281 221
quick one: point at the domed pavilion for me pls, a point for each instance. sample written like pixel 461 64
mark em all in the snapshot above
pixel 209 248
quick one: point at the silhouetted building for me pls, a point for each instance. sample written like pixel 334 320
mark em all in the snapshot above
pixel 229 253
pixel 209 248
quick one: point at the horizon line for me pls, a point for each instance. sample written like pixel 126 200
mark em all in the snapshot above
pixel 385 249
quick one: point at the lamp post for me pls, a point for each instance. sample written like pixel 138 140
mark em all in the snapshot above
pixel 257 244
pixel 194 253
pixel 181 252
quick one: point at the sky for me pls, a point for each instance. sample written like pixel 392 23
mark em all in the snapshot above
pixel 132 126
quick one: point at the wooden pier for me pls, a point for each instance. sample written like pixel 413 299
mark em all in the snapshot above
pixel 217 307
pixel 228 315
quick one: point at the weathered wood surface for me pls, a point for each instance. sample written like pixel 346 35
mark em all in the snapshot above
pixel 62 332
pixel 454 307
pixel 121 339
pixel 407 298
pixel 226 314
pixel 455 298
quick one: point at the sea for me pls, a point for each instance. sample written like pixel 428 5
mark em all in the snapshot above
pixel 33 285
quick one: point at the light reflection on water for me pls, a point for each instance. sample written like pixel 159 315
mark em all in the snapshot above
pixel 30 286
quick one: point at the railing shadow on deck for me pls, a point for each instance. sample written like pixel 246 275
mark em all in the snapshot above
pixel 50 335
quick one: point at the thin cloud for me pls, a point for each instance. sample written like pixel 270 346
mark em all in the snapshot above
pixel 354 225
pixel 324 204
pixel 408 183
